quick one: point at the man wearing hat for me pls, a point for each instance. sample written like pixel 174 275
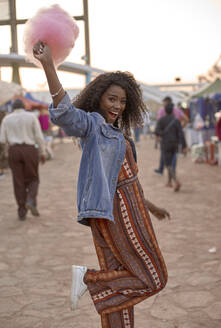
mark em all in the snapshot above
pixel 22 132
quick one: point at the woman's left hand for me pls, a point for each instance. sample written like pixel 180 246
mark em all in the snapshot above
pixel 161 213
pixel 42 52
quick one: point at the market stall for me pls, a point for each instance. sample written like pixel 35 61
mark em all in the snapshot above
pixel 200 134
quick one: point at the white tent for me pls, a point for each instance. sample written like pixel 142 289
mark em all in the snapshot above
pixel 8 91
pixel 153 97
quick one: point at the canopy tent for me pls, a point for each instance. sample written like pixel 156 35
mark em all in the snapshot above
pixel 31 103
pixel 203 105
pixel 8 91
pixel 45 96
pixel 153 97
pixel 206 102
pixel 29 96
pixel 208 90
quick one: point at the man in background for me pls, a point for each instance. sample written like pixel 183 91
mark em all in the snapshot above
pixel 3 159
pixel 181 116
pixel 170 132
pixel 22 132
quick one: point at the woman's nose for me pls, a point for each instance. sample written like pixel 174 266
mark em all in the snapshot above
pixel 117 105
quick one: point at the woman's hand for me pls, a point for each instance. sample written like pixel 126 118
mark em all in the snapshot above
pixel 42 52
pixel 159 213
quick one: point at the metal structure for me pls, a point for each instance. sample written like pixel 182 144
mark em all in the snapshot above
pixel 213 73
pixel 16 62
pixel 180 86
pixel 13 58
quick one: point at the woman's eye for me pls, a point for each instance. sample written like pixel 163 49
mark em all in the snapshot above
pixel 111 99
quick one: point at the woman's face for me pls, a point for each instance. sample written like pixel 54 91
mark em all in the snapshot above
pixel 113 103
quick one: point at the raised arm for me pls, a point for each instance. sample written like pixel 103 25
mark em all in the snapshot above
pixel 42 52
pixel 75 122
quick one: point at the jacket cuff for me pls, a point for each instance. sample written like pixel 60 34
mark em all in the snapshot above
pixel 63 106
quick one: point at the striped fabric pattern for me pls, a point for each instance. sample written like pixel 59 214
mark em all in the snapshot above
pixel 131 264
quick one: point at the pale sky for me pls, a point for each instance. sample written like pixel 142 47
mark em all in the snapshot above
pixel 156 40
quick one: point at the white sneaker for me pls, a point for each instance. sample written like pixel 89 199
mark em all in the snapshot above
pixel 78 287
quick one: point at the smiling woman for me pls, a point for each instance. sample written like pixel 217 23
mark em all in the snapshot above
pixel 120 97
pixel 110 198
pixel 113 103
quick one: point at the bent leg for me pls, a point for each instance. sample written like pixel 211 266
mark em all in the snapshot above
pixel 128 274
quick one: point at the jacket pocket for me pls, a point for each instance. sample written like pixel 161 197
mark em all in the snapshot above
pixel 107 132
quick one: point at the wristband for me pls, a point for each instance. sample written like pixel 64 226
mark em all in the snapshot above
pixel 57 93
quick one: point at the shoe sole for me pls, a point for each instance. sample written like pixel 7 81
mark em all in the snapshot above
pixel 75 281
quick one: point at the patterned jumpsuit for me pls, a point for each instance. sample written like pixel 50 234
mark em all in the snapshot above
pixel 132 267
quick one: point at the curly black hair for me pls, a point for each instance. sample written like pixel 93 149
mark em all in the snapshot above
pixel 89 98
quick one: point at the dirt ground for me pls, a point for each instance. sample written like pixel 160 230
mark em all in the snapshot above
pixel 36 255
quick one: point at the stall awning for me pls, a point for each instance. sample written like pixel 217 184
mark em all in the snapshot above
pixel 208 90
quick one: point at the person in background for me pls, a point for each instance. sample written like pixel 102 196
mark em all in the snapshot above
pixel 218 134
pixel 22 132
pixel 137 133
pixel 3 151
pixel 146 123
pixel 179 114
pixel 45 127
pixel 169 131
pixel 218 125
pixel 110 198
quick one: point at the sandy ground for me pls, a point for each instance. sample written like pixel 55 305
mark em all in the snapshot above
pixel 36 255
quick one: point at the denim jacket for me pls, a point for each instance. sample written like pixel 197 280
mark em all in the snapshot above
pixel 103 151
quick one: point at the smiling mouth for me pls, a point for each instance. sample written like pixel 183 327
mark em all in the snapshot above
pixel 113 114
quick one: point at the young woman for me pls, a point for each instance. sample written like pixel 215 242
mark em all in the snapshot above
pixel 110 197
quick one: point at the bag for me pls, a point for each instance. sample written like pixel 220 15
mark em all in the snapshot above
pixel 169 126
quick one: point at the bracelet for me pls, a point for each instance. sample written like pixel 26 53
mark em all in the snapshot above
pixel 57 93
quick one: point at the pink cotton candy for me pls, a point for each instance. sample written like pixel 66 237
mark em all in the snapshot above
pixel 55 27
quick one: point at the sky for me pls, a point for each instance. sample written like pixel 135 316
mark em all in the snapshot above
pixel 156 40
